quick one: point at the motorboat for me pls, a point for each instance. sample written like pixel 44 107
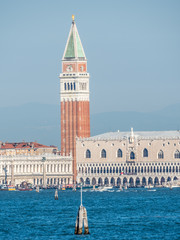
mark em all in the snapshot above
pixel 104 188
pixel 149 186
pixel 5 187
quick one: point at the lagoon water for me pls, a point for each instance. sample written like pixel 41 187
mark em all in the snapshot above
pixel 132 214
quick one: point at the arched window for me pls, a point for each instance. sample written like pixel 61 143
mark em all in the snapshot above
pixel 68 86
pixel 74 86
pixel 132 155
pixel 88 153
pixel 145 152
pixel 177 154
pixel 71 86
pixel 119 153
pixel 103 153
pixel 64 86
pixel 160 154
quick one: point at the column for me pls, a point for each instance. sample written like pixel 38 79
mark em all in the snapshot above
pixel 12 174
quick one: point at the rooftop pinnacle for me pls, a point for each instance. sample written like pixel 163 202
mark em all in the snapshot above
pixel 74 49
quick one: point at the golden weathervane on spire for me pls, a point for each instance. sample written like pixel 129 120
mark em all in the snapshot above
pixel 73 17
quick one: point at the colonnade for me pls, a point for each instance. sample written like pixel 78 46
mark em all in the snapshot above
pixel 41 169
pixel 132 174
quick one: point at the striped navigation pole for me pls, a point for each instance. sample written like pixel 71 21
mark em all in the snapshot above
pixel 81 220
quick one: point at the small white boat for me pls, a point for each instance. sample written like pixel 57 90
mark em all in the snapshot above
pixel 108 187
pixel 110 190
pixel 149 186
pixel 175 186
pixel 103 189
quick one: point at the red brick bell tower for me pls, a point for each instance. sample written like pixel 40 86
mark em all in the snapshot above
pixel 74 90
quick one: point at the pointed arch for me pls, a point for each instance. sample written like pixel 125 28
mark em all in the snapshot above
pixel 156 181
pixel 88 153
pixel 138 181
pixel 93 181
pixel 131 182
pixel 106 181
pixel 177 154
pixel 132 155
pixel 100 182
pixel 161 154
pixel 144 182
pixel 125 181
pixel 168 179
pixel 118 181
pixel 145 152
pixel 112 181
pixel 150 181
pixel 103 153
pixel 82 180
pixel 162 180
pixel 87 182
pixel 119 153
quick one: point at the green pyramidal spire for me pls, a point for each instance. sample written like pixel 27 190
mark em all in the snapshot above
pixel 74 48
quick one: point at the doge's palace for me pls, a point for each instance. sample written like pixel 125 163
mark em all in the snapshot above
pixel 132 158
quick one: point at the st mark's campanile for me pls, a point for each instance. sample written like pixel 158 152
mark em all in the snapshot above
pixel 74 95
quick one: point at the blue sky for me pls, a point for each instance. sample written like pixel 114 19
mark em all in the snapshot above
pixel 132 49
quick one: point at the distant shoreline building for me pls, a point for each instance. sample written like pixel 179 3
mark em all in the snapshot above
pixel 25 148
pixel 34 163
pixel 132 158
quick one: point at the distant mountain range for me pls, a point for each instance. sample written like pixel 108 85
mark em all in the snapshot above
pixel 41 122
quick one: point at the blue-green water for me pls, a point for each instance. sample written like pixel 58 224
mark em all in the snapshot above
pixel 132 214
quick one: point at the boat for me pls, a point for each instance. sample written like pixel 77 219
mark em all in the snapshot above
pixel 100 189
pixel 25 186
pixel 11 188
pixel 171 185
pixel 108 187
pixel 25 189
pixel 5 187
pixel 149 186
pixel 175 186
pixel 104 188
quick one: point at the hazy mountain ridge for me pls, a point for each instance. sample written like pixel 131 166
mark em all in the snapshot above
pixel 41 122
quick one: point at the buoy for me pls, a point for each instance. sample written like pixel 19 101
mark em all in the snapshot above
pixel 81 219
pixel 56 195
pixel 120 188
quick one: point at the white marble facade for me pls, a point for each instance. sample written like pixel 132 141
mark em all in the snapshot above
pixel 46 169
pixel 135 158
